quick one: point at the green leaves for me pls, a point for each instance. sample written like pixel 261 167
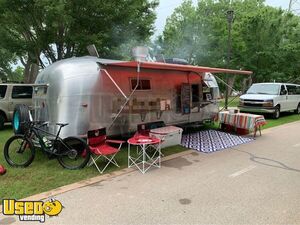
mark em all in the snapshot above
pixel 265 40
pixel 55 29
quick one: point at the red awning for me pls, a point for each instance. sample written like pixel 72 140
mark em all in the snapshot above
pixel 177 67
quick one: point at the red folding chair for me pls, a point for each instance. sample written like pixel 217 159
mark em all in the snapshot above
pixel 100 147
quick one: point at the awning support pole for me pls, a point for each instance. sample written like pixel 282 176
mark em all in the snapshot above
pixel 228 86
pixel 112 80
pixel 218 78
pixel 226 93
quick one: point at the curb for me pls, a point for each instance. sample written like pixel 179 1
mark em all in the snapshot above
pixel 93 180
pixel 271 129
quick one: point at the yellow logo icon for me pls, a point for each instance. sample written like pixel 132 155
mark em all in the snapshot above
pixel 31 210
pixel 52 207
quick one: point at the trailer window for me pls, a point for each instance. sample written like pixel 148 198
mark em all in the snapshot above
pixel 22 92
pixel 39 91
pixel 144 84
pixel 2 91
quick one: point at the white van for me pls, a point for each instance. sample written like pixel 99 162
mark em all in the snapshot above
pixel 10 96
pixel 271 98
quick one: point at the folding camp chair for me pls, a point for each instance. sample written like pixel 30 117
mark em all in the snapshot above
pixel 100 147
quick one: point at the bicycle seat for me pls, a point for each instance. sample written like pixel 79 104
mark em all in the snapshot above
pixel 62 124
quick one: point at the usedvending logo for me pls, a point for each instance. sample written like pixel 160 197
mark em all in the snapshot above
pixel 31 210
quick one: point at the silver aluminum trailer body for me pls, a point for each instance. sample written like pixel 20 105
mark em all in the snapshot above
pixel 91 93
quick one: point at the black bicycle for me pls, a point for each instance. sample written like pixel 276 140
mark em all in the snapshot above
pixel 71 152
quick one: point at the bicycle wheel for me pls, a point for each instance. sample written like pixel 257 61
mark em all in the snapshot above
pixel 19 151
pixel 75 153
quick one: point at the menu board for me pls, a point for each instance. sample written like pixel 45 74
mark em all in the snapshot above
pixel 186 98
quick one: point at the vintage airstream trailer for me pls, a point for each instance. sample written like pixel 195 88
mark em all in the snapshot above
pixel 90 93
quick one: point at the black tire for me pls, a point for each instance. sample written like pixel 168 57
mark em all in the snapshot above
pixel 297 110
pixel 20 117
pixel 19 151
pixel 2 121
pixel 276 113
pixel 75 153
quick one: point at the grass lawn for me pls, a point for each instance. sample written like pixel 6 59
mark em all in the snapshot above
pixel 285 118
pixel 45 174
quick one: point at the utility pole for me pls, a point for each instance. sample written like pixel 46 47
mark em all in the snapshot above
pixel 294 6
pixel 290 5
pixel 230 15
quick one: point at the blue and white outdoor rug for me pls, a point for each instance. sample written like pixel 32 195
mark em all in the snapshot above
pixel 211 140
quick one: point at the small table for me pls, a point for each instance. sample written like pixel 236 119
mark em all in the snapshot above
pixel 246 121
pixel 144 161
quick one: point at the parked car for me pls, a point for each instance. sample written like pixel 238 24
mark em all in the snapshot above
pixel 271 98
pixel 10 96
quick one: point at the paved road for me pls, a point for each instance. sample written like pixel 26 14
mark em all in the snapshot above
pixel 255 183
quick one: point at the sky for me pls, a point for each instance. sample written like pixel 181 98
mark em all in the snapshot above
pixel 166 7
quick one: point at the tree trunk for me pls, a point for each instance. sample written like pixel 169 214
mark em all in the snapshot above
pixel 244 86
pixel 30 72
pixel 31 66
pixel 230 83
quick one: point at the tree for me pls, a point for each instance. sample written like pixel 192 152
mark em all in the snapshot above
pixel 44 31
pixel 6 69
pixel 264 39
pixel 4 64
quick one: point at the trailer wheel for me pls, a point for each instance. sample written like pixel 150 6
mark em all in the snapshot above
pixel 21 115
pixel 276 113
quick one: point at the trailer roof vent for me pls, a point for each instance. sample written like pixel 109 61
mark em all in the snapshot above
pixel 140 53
pixel 177 61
